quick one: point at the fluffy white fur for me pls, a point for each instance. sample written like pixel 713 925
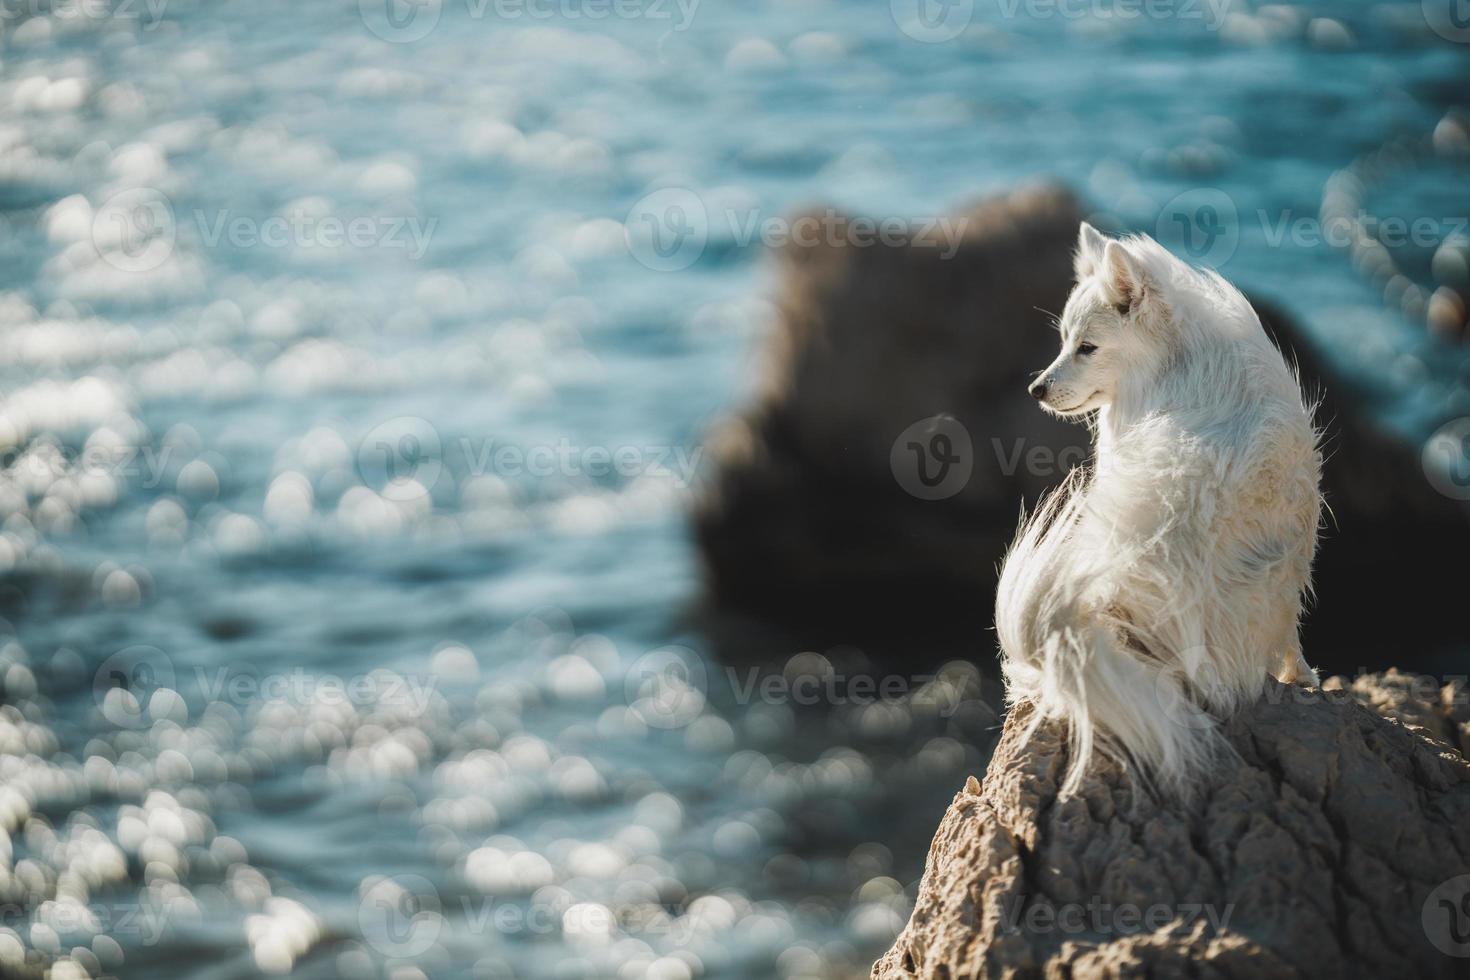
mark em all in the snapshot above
pixel 1153 593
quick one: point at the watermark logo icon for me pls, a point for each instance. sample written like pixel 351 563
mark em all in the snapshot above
pixel 667 230
pixel 933 458
pixel 400 916
pixel 1201 225
pixel 666 688
pixel 134 230
pixel 1446 917
pixel 1450 19
pixel 126 681
pixel 400 21
pixel 932 21
pixel 401 458
pixel 1446 459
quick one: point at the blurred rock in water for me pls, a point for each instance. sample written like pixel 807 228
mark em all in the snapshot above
pixel 1378 602
pixel 813 515
pixel 869 493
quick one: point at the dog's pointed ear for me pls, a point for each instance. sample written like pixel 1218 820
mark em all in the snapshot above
pixel 1124 277
pixel 1090 245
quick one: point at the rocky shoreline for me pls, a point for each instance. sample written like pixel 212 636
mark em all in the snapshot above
pixel 865 498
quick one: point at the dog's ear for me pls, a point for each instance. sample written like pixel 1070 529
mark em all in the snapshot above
pixel 1124 277
pixel 1090 245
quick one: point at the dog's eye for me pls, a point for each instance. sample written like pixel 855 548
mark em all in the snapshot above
pixel 1124 308
pixel 1085 349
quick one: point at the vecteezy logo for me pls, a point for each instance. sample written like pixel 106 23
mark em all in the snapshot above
pixel 666 688
pixel 933 458
pixel 1450 19
pixel 667 229
pixel 1446 917
pixel 400 21
pixel 401 459
pixel 932 21
pixel 1201 225
pixel 134 230
pixel 125 682
pixel 401 915
pixel 1446 459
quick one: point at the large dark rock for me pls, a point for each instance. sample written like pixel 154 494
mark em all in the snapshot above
pixel 1333 847
pixel 814 514
pixel 803 519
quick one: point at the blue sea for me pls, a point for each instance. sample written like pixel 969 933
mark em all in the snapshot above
pixel 354 364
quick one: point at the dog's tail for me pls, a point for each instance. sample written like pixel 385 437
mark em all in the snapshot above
pixel 1069 648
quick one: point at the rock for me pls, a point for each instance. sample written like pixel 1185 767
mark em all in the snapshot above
pixel 804 519
pixel 891 358
pixel 1324 851
pixel 1386 526
pixel 1415 701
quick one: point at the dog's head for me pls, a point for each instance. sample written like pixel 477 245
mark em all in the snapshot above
pixel 1108 327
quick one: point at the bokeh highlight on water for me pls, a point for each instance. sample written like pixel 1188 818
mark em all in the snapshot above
pixel 348 442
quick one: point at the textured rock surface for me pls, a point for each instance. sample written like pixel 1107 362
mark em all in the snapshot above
pixel 804 520
pixel 1313 856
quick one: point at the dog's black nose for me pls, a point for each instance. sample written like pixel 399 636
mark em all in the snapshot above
pixel 1038 390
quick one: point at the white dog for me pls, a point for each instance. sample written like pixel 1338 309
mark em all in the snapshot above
pixel 1154 593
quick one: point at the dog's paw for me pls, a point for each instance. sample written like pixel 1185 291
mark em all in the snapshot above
pixel 1300 674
